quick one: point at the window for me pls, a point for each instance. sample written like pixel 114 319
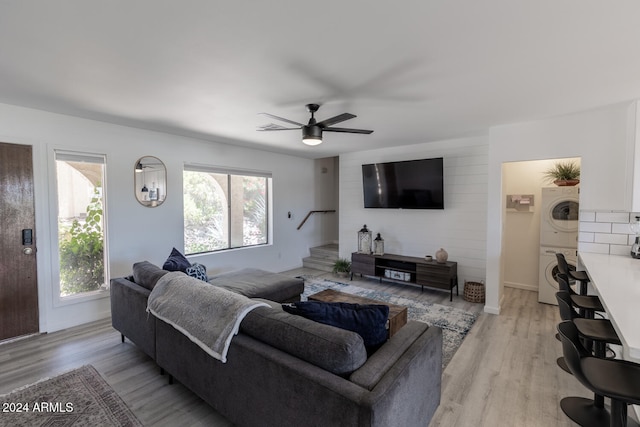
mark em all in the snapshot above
pixel 224 209
pixel 81 237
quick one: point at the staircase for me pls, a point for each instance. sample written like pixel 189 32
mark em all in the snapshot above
pixel 322 257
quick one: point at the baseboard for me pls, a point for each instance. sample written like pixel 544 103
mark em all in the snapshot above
pixel 71 321
pixel 524 286
pixel 491 310
pixel 494 310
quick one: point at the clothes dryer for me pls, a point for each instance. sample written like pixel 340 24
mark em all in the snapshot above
pixel 560 208
pixel 548 283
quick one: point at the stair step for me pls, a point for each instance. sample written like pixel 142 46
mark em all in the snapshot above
pixel 322 257
pixel 318 264
pixel 324 253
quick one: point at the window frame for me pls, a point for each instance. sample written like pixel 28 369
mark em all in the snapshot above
pixel 203 168
pixel 103 291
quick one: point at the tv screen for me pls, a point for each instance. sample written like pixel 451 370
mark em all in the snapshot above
pixel 411 184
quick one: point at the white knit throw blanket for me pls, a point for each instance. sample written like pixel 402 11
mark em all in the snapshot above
pixel 208 315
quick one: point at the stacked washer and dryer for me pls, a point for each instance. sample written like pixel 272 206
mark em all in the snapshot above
pixel 558 233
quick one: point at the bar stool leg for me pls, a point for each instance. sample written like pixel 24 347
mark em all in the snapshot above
pixel 618 413
pixel 583 287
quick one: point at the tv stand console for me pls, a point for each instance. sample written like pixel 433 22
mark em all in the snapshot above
pixel 407 269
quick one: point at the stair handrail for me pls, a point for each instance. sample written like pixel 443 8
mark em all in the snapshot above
pixel 314 212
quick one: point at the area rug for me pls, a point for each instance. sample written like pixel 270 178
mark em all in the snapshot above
pixel 80 397
pixel 455 322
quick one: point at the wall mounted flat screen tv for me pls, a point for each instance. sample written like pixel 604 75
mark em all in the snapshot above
pixel 411 184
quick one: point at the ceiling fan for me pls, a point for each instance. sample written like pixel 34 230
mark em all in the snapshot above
pixel 312 131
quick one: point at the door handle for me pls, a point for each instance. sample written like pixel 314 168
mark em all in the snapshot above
pixel 27 251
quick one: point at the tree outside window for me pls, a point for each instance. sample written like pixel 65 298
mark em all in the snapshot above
pixel 223 211
pixel 81 242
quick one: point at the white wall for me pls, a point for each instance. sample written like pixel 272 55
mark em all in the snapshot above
pixel 598 137
pixel 460 228
pixel 139 233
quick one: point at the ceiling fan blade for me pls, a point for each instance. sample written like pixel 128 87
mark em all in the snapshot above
pixel 337 119
pixel 282 119
pixel 347 130
pixel 273 126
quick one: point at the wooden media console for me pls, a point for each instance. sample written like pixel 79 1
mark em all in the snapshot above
pixel 406 269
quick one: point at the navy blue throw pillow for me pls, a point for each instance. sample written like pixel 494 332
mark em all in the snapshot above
pixel 368 321
pixel 176 262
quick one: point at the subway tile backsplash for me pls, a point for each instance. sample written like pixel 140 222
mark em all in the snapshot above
pixel 606 232
pixel 612 217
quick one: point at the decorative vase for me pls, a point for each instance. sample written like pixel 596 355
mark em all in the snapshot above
pixel 442 256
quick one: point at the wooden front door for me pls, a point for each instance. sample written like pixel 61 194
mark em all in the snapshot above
pixel 18 278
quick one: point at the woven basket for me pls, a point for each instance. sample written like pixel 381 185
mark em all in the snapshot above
pixel 473 292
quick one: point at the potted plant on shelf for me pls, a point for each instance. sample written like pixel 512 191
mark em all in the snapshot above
pixel 564 174
pixel 342 267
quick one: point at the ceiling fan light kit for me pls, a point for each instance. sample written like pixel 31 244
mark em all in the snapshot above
pixel 311 135
pixel 312 131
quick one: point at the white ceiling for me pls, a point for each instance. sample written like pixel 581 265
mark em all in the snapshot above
pixel 413 71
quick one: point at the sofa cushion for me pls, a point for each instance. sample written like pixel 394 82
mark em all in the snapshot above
pixel 198 271
pixel 146 274
pixel 176 262
pixel 256 283
pixel 367 320
pixel 336 350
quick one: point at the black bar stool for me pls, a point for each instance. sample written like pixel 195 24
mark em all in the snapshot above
pixel 597 333
pixel 586 304
pixel 580 276
pixel 618 380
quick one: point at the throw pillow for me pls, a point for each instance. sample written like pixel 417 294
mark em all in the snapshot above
pixel 198 271
pixel 176 262
pixel 368 320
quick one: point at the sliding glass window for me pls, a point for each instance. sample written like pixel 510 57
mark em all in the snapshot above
pixel 81 237
pixel 224 209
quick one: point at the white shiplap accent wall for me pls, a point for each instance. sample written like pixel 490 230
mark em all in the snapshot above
pixel 460 228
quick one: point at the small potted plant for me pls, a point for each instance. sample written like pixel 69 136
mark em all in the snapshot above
pixel 564 174
pixel 342 267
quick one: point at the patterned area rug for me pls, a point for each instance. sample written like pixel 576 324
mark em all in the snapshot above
pixel 76 398
pixel 455 323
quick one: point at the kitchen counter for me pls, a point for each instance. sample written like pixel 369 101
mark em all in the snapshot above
pixel 616 279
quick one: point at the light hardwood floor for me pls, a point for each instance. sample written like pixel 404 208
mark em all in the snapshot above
pixel 504 374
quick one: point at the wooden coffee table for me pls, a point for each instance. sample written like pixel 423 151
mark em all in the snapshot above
pixel 397 313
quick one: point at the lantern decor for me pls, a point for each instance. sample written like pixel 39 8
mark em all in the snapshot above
pixel 364 240
pixel 378 245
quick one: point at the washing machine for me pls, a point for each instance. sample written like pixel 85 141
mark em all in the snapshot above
pixel 548 285
pixel 559 217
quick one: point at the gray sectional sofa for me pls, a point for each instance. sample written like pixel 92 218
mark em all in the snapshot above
pixel 284 369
